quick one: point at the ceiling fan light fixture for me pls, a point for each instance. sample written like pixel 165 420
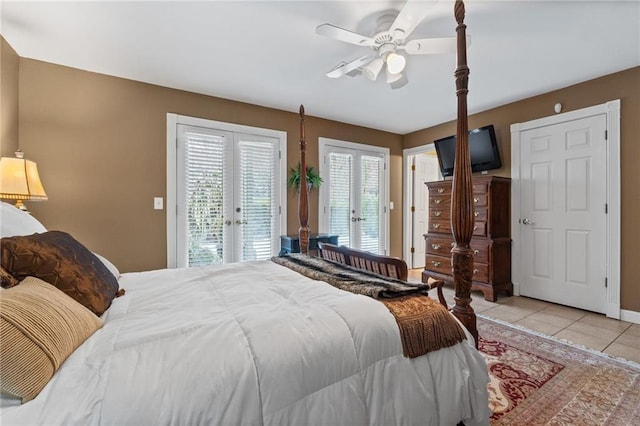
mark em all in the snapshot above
pixel 395 63
pixel 372 70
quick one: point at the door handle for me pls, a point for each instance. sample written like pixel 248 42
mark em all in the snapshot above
pixel 526 221
pixel 227 222
pixel 241 222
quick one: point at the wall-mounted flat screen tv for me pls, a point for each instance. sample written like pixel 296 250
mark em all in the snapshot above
pixel 483 148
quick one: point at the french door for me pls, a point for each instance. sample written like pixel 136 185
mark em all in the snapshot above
pixel 353 198
pixel 228 196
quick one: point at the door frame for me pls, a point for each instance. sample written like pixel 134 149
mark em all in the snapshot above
pixel 407 217
pixel 612 111
pixel 172 170
pixel 322 168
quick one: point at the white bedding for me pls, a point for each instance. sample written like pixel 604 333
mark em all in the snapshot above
pixel 254 343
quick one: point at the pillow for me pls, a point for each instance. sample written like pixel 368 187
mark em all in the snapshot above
pixel 110 266
pixel 57 258
pixel 14 221
pixel 40 327
pixel 6 279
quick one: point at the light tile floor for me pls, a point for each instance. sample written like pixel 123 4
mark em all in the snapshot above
pixel 595 331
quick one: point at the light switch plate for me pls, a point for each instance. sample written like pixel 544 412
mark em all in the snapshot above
pixel 158 203
pixel 391 205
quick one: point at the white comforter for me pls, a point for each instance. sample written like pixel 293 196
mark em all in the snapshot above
pixel 254 344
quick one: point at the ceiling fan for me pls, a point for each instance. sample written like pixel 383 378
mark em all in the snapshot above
pixel 388 44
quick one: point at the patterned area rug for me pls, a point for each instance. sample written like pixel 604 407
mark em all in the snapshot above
pixel 538 380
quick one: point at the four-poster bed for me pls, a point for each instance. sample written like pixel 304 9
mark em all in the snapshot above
pixel 244 343
pixel 461 200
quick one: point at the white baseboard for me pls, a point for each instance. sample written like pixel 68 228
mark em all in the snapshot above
pixel 630 316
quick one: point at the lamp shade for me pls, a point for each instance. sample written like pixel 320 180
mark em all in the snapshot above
pixel 372 70
pixel 19 179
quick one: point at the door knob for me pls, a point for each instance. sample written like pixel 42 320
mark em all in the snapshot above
pixel 526 222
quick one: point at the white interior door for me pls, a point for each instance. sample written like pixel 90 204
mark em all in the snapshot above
pixel 424 169
pixel 563 183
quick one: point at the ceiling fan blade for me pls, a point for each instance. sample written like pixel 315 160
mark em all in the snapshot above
pixel 341 34
pixel 345 68
pixel 432 46
pixel 411 14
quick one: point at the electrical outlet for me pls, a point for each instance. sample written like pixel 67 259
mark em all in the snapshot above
pixel 158 203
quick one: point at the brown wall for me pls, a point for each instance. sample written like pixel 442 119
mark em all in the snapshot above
pixel 9 66
pixel 623 85
pixel 100 145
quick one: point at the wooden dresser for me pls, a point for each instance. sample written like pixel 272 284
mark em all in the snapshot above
pixel 491 242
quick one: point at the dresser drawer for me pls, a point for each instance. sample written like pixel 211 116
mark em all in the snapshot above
pixel 442 246
pixel 440 264
pixel 480 188
pixel 440 202
pixel 480 272
pixel 480 214
pixel 440 226
pixel 480 228
pixel 440 190
pixel 480 251
pixel 439 212
pixel 480 200
pixel 438 245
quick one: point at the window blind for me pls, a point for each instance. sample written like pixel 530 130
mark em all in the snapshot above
pixel 257 162
pixel 205 183
pixel 370 186
pixel 340 177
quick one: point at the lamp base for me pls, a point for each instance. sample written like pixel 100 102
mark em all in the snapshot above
pixel 20 205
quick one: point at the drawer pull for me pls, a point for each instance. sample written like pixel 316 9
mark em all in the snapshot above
pixel 475 227
pixel 440 190
pixel 476 214
pixel 476 251
pixel 435 246
pixel 437 212
pixel 475 271
pixel 437 200
pixel 453 244
pixel 436 225
pixel 435 263
pixel 475 200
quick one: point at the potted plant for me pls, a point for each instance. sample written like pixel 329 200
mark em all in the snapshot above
pixel 313 178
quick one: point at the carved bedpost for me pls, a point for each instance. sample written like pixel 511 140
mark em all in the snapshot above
pixel 303 200
pixel 462 194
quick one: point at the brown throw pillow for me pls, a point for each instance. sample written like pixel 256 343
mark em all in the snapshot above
pixel 40 327
pixel 57 258
pixel 6 279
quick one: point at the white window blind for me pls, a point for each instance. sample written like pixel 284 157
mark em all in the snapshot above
pixel 370 184
pixel 258 198
pixel 341 175
pixel 205 193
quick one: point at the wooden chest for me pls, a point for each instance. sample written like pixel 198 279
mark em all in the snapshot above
pixel 491 242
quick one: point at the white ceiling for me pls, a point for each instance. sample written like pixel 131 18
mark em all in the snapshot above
pixel 267 52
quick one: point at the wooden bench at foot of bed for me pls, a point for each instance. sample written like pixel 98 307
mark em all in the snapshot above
pixel 384 265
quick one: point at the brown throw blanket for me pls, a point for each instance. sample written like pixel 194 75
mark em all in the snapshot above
pixel 425 325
